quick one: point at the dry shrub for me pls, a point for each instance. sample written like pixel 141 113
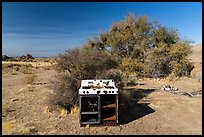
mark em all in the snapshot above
pixel 157 67
pixel 66 91
pixel 76 65
pixel 47 67
pixel 11 65
pixel 29 78
pixel 132 66
pixel 14 73
pixel 115 74
pixel 74 110
pixel 168 60
pixel 183 68
pixel 26 69
pixel 11 68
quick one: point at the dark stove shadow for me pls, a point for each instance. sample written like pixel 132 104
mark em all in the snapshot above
pixel 129 107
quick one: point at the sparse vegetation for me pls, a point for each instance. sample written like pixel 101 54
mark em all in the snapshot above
pixel 26 69
pixel 77 64
pixel 16 68
pixel 29 78
pixel 20 67
pixel 7 126
pixel 22 103
pixel 131 47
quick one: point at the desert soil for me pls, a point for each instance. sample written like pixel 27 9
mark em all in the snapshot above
pixel 25 109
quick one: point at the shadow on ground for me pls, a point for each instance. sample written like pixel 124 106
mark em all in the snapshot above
pixel 130 105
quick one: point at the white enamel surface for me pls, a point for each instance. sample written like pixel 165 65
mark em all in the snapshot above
pixel 98 87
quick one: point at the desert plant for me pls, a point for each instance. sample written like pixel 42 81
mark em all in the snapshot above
pixel 147 48
pixel 132 66
pixel 76 65
pixel 183 68
pixel 29 78
pixel 12 59
pixel 134 46
pixel 26 69
pixel 47 67
pixel 114 74
pixel 66 94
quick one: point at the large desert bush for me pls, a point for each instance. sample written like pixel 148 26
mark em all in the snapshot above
pixel 132 66
pixel 147 48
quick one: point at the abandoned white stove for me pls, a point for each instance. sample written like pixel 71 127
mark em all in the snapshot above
pixel 98 102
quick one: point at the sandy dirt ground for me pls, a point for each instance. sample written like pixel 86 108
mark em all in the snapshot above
pixel 149 110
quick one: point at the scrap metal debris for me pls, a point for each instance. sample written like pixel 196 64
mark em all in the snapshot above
pixel 169 88
pixel 174 90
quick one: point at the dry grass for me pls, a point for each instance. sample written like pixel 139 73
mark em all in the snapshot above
pixel 26 69
pixel 7 127
pixel 47 67
pixel 29 78
pixel 14 128
pixel 38 64
pixel 74 110
pixel 15 68
pixel 64 112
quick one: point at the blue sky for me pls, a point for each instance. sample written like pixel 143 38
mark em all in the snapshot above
pixel 49 28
